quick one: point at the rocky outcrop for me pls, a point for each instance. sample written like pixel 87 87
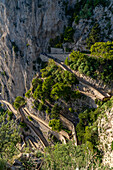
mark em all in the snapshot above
pixel 101 15
pixel 26 27
pixel 105 130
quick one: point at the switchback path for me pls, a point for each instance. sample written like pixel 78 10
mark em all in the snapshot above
pixel 69 124
pixel 59 135
pixel 31 126
pixel 98 93
pixel 10 107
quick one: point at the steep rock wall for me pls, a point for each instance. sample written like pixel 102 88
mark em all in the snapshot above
pixel 26 27
pixel 105 129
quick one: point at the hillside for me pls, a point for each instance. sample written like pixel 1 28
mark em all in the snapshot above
pixel 28 29
pixel 56 84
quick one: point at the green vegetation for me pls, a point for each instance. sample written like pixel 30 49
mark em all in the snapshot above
pixel 30 118
pixel 66 37
pixel 94 36
pixel 27 94
pixel 88 133
pixel 102 69
pixel 87 130
pixel 55 85
pixel 23 125
pixel 112 146
pixel 86 155
pixel 27 45
pixel 10 115
pixel 83 9
pixel 68 156
pixel 3 164
pixel 55 124
pixel 68 34
pixel 55 111
pixel 103 49
pixel 9 137
pixel 56 42
pixel 19 101
pixel 3 73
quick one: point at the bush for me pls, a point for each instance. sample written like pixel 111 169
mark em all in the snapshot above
pixel 23 125
pixel 68 156
pixel 57 41
pixel 103 67
pixel 67 61
pixel 71 110
pixel 10 115
pixel 35 82
pixel 27 94
pixel 40 107
pixel 94 36
pixel 19 101
pixel 68 34
pixel 30 118
pixel 55 124
pixel 55 111
pixel 103 49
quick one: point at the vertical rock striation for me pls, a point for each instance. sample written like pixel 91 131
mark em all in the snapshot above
pixel 26 27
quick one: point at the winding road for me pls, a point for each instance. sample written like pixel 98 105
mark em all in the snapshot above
pixel 97 92
pixel 31 126
pixel 59 135
pixel 23 111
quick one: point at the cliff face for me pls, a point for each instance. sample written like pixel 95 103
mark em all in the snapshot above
pixel 26 27
pixel 105 130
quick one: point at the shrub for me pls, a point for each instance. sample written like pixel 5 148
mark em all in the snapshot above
pixel 23 125
pixel 55 111
pixel 27 94
pixel 55 124
pixel 71 110
pixel 19 101
pixel 30 118
pixel 10 115
pixel 67 61
pixel 68 156
pixel 68 34
pixel 103 67
pixel 57 41
pixel 40 107
pixel 103 49
pixel 94 36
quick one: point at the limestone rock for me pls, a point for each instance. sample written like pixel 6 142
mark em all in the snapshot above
pixel 25 30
